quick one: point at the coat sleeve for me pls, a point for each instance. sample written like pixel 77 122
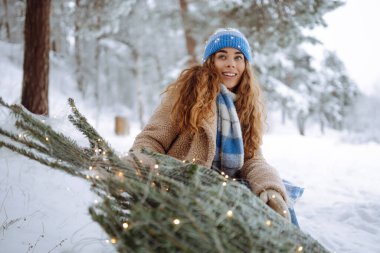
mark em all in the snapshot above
pixel 262 176
pixel 160 131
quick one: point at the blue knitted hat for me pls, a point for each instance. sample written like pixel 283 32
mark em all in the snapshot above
pixel 227 37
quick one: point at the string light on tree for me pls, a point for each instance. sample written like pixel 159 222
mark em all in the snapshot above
pixel 224 184
pixel 125 225
pixel 230 213
pixel 156 166
pixel 300 249
pixel 176 221
pixel 268 223
pixel 113 240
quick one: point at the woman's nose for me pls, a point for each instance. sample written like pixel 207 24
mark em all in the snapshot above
pixel 231 63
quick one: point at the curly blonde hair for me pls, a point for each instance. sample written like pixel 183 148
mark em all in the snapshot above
pixel 195 93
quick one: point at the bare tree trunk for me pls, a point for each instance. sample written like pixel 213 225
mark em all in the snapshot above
pixel 35 83
pixel 301 122
pixel 140 102
pixel 283 111
pixel 190 41
pixel 6 20
pixel 78 59
pixel 98 8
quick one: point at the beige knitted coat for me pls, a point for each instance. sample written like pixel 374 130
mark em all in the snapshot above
pixel 163 136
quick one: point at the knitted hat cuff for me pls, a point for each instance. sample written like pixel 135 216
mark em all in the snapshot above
pixel 227 38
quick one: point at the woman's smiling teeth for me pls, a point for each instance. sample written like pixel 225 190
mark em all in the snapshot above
pixel 229 74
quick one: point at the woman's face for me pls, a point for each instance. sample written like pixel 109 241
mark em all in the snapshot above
pixel 230 65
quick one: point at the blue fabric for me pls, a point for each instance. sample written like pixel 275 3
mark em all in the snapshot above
pixel 227 37
pixel 229 154
pixel 294 192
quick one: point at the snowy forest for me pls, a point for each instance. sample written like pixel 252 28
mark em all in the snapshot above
pixel 122 52
pixel 115 58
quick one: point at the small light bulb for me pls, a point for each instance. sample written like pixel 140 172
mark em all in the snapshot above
pixel 273 196
pixel 104 152
pixel 96 201
pixel 230 213
pixel 176 221
pixel 284 211
pixel 99 139
pixel 97 177
pixel 113 240
pixel 125 225
pixel 226 176
pixel 90 168
pixel 300 248
pixel 156 166
pixel 222 173
pixel 184 161
pixel 268 223
pixel 47 138
pixel 234 179
pixel 224 184
pixel 87 176
pixel 193 159
pixel 120 174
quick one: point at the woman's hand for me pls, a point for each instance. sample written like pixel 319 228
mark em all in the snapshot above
pixel 274 199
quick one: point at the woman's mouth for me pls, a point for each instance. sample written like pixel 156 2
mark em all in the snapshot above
pixel 229 74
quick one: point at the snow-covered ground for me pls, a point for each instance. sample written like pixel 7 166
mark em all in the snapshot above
pixel 44 210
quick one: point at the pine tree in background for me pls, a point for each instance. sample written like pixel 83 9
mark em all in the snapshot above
pixel 155 203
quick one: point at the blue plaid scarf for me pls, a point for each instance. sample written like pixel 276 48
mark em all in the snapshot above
pixel 229 155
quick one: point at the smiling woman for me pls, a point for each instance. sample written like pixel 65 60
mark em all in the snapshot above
pixel 230 65
pixel 212 115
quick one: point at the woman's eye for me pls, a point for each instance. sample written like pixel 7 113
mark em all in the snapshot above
pixel 222 56
pixel 239 58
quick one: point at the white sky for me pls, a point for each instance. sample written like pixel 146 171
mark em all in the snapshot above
pixel 353 32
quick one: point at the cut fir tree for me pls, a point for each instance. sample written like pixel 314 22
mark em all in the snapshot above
pixel 153 202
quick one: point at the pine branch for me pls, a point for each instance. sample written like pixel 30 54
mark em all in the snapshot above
pixel 155 203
